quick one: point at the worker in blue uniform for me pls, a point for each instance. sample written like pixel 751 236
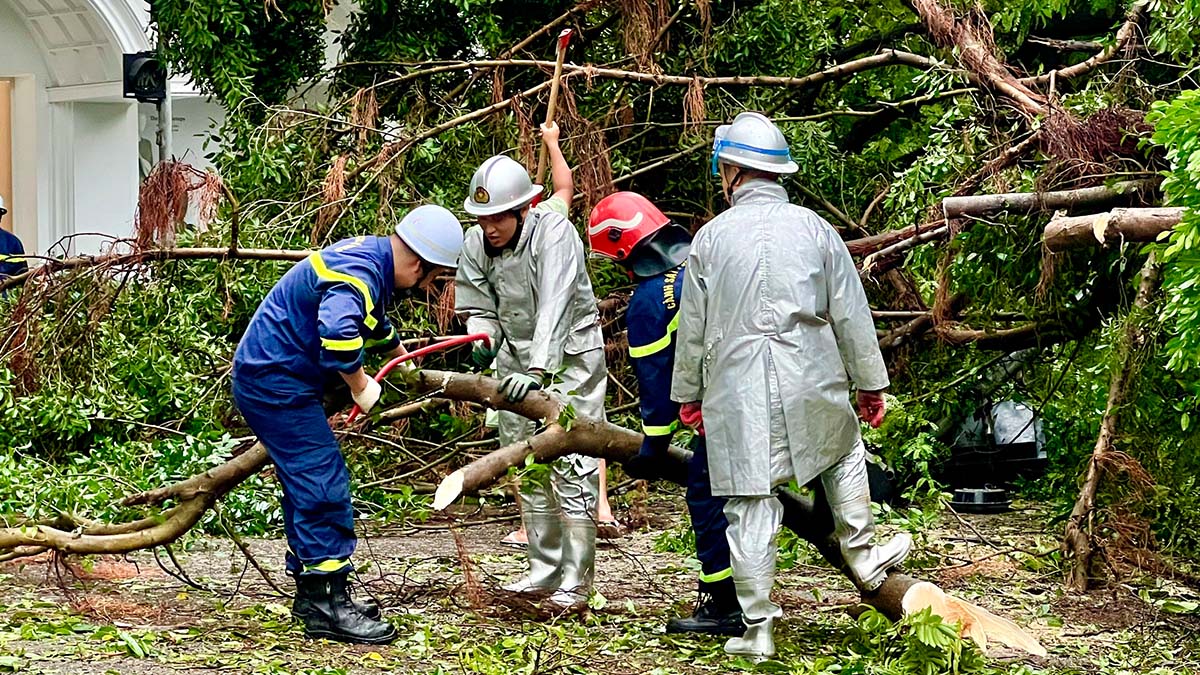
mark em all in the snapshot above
pixel 309 333
pixel 12 253
pixel 629 229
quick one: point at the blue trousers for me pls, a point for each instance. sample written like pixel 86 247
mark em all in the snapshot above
pixel 317 515
pixel 708 518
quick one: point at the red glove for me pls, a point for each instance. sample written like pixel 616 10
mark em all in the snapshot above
pixel 871 407
pixel 690 415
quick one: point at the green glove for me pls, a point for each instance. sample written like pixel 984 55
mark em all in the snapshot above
pixel 517 386
pixel 482 357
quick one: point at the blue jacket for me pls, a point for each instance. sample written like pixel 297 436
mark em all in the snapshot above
pixel 12 255
pixel 317 321
pixel 652 317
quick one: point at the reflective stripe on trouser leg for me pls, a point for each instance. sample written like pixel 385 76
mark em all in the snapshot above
pixel 708 519
pixel 312 472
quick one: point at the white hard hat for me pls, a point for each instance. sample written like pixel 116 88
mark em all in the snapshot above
pixel 754 142
pixel 3 210
pixel 499 184
pixel 433 233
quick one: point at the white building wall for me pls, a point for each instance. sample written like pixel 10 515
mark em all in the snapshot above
pixel 79 149
pixel 105 170
pixel 21 60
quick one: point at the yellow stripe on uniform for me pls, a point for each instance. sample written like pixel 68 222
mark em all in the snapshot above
pixel 716 576
pixel 328 566
pixel 658 345
pixel 342 345
pixel 327 274
pixel 383 341
pixel 660 431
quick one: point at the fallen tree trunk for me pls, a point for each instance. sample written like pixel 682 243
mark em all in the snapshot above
pixel 1030 202
pixel 808 517
pixel 975 49
pixel 1078 544
pixel 870 262
pixel 1067 232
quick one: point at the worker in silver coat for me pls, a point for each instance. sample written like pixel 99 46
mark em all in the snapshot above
pixel 522 280
pixel 774 327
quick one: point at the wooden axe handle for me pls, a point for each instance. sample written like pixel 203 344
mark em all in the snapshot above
pixel 563 38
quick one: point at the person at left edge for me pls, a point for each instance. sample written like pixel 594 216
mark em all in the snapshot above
pixel 12 253
pixel 310 332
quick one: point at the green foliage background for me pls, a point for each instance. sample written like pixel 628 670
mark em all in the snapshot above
pixel 131 384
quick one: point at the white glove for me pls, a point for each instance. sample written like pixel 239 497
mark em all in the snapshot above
pixel 368 396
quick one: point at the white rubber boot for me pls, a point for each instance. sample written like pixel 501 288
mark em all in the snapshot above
pixel 578 565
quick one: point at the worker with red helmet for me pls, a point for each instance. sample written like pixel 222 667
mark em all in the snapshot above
pixel 627 228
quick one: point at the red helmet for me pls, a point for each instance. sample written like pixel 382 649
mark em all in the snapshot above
pixel 621 221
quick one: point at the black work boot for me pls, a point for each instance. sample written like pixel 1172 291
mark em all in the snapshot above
pixel 717 612
pixel 328 612
pixel 368 608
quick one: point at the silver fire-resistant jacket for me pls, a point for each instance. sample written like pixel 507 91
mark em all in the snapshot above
pixel 535 300
pixel 772 301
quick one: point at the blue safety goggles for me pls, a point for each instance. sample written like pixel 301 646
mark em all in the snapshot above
pixel 720 143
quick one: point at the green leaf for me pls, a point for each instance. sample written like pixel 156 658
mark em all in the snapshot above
pixel 132 644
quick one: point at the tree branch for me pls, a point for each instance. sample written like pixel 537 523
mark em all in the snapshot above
pixel 140 257
pixel 1126 34
pixel 1029 202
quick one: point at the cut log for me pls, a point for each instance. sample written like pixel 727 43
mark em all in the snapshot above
pixel 1115 226
pixel 1130 191
pixel 975 622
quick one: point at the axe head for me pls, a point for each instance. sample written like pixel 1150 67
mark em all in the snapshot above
pixel 563 38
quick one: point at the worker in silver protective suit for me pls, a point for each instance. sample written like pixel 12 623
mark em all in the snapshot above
pixel 523 281
pixel 774 326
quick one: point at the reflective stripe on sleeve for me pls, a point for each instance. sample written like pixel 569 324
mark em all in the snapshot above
pixel 351 344
pixel 323 272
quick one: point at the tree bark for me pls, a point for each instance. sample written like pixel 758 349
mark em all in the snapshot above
pixel 1030 202
pixel 1078 545
pixel 867 245
pixel 1067 232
